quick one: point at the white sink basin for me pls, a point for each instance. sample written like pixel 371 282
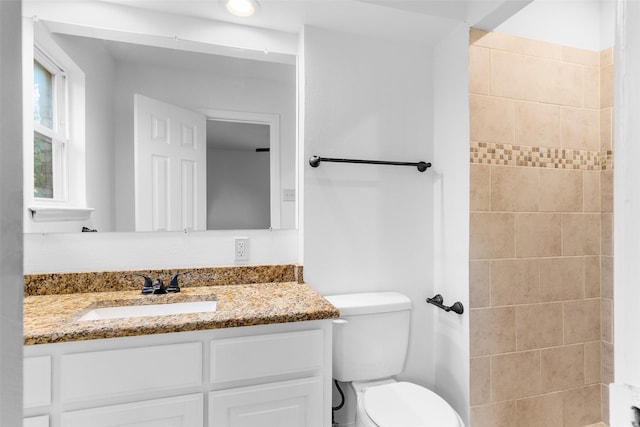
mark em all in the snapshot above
pixel 122 312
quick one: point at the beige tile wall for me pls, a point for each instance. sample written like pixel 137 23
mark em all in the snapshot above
pixel 541 247
pixel 606 206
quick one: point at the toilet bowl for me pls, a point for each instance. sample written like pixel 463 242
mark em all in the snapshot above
pixel 394 404
pixel 370 342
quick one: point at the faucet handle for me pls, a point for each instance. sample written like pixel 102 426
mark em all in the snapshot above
pixel 173 283
pixel 147 288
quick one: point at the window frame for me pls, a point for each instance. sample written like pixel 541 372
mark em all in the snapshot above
pixel 59 133
pixel 70 212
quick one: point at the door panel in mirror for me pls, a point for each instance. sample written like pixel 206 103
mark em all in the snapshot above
pixel 170 167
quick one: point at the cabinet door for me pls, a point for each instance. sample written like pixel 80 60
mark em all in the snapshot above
pixel 283 404
pixel 37 381
pixel 180 411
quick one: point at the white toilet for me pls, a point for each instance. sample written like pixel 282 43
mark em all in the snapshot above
pixel 370 343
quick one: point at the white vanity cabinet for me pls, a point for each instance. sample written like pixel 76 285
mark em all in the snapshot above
pixel 268 375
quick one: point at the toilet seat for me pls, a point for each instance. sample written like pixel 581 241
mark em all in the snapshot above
pixel 408 405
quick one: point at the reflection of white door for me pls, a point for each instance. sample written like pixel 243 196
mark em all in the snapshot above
pixel 170 167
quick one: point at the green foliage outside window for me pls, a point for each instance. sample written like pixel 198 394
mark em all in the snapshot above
pixel 42 166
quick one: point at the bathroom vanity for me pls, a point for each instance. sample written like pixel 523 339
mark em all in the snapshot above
pixel 263 357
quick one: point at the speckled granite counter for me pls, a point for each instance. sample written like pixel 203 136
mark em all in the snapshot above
pixel 101 281
pixel 52 318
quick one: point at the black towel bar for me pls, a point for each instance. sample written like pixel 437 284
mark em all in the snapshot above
pixel 315 161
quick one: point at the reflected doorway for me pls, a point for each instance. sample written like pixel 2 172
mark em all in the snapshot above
pixel 238 175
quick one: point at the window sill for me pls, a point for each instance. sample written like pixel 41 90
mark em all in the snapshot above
pixel 49 214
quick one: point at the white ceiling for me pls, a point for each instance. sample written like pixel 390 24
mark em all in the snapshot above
pixel 186 60
pixel 419 21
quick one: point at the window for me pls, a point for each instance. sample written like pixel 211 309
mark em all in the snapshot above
pixel 50 128
pixel 55 196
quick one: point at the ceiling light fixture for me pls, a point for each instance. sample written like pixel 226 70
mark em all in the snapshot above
pixel 242 8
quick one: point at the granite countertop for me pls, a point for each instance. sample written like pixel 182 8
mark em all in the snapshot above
pixel 53 318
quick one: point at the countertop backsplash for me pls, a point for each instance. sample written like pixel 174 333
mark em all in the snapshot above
pixel 109 281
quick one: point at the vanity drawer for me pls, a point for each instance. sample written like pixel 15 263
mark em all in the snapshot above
pixel 131 371
pixel 262 356
pixel 37 381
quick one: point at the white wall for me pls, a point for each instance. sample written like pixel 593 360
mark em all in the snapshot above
pixel 370 228
pixel 11 281
pixel 627 196
pixel 607 23
pixel 238 190
pixel 99 69
pixel 585 24
pixel 69 252
pixel 451 212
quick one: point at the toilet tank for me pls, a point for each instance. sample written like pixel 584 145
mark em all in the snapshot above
pixel 371 337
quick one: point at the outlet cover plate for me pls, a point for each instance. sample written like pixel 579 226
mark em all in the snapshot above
pixel 241 248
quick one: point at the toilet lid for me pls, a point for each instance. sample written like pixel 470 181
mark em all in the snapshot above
pixel 409 405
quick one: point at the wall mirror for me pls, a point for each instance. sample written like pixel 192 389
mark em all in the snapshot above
pixel 137 89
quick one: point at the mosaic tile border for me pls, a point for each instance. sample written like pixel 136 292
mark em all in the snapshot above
pixel 489 153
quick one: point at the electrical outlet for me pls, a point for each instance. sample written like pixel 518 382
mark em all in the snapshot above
pixel 241 246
